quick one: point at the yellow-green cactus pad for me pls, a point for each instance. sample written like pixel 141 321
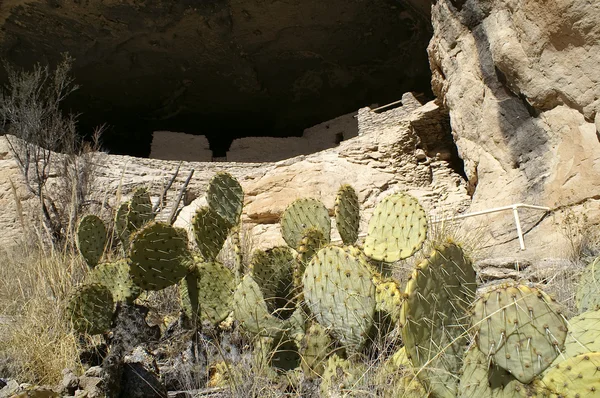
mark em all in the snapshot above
pixel 397 229
pixel 339 292
pixel 520 327
pixel 435 317
pixel 302 214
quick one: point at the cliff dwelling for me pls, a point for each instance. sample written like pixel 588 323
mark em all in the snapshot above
pixel 211 77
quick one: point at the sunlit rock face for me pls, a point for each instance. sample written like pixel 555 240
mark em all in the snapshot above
pixel 222 68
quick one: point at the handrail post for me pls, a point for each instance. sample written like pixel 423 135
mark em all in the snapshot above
pixel 515 209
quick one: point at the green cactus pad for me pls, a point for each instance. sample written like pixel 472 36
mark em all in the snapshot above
pixel 90 308
pixel 315 347
pixel 388 296
pixel 435 317
pixel 140 210
pixel 210 232
pixel 576 377
pixel 583 336
pixel 91 239
pixel 207 292
pixel 302 214
pixel 115 276
pixel 226 197
pixel 587 296
pixel 397 378
pixel 251 311
pixel 347 214
pixel 480 378
pixel 121 223
pixel 342 378
pixel 340 294
pixel 273 271
pixel 397 229
pixel 520 327
pixel 159 257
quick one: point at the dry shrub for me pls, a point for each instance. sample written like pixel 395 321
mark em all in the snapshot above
pixel 36 343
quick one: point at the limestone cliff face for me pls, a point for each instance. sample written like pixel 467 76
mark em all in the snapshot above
pixel 520 79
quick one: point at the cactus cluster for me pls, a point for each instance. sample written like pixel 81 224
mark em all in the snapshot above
pixel 314 307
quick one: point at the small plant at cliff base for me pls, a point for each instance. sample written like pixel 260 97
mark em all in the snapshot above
pixel 30 112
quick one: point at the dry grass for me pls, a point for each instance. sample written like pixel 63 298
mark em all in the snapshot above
pixel 36 343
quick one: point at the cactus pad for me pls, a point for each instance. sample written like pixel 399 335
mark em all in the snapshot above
pixel 347 214
pixel 388 296
pixel 284 354
pixel 121 223
pixel 140 210
pixel 576 377
pixel 583 336
pixel 115 276
pixel 273 270
pixel 226 197
pixel 480 378
pixel 587 296
pixel 435 317
pixel 398 379
pixel 91 239
pixel 342 378
pixel 159 257
pixel 302 214
pixel 520 327
pixel 251 311
pixel 315 347
pixel 210 232
pixel 207 292
pixel 340 294
pixel 90 308
pixel 397 229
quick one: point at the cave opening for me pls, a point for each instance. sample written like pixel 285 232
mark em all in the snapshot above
pixel 225 69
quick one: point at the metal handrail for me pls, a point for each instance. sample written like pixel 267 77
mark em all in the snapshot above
pixel 513 207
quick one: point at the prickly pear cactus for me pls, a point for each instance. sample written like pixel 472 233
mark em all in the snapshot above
pixel 302 214
pixel 520 327
pixel 210 232
pixel 121 223
pixel 115 276
pixel 226 197
pixel 140 210
pixel 480 378
pixel 583 336
pixel 342 378
pixel 207 292
pixel 388 297
pixel 315 347
pixel 90 308
pixel 273 271
pixel 159 257
pixel 312 241
pixel 397 378
pixel 576 377
pixel 435 319
pixel 397 229
pixel 347 214
pixel 251 311
pixel 91 239
pixel 588 290
pixel 339 292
